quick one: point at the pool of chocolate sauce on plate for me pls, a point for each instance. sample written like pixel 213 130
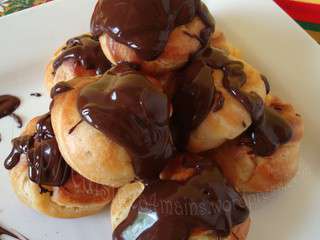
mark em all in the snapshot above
pixel 8 104
pixel 145 25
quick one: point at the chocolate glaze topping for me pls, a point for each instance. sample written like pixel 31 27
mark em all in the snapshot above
pixel 17 119
pixel 127 108
pixel 266 135
pixel 266 83
pixel 172 210
pixel 59 88
pixel 196 97
pixel 145 25
pixel 8 104
pixel 45 163
pixel 234 78
pixel 86 51
pixel 192 101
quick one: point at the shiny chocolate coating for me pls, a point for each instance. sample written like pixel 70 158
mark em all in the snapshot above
pixel 193 99
pixel 126 107
pixel 172 210
pixel 45 163
pixel 266 135
pixel 145 25
pixel 86 52
pixel 59 88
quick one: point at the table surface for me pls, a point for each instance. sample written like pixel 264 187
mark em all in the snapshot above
pixel 305 12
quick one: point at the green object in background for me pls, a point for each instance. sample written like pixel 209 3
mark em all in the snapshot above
pixel 11 6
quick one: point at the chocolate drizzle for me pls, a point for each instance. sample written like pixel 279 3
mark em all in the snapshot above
pixel 4 231
pixel 60 88
pixel 172 210
pixel 192 101
pixel 45 163
pixel 268 129
pixel 35 94
pixel 196 95
pixel 145 25
pixel 266 135
pixel 234 78
pixel 266 83
pixel 17 119
pixel 86 51
pixel 218 101
pixel 127 108
pixel 8 104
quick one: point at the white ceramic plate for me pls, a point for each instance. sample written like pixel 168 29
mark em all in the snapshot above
pixel 269 40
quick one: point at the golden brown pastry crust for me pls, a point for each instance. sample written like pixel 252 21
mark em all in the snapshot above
pixel 219 40
pixel 78 197
pixel 86 149
pixel 251 173
pixel 126 196
pixel 230 121
pixel 179 48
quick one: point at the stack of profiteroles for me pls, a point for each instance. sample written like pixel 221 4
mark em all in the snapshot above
pixel 156 112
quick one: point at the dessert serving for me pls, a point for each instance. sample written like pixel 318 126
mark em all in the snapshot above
pixel 155 113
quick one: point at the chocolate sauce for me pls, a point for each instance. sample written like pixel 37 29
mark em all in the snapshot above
pixel 234 78
pixel 86 51
pixel 145 25
pixel 8 104
pixel 20 146
pixel 269 129
pixel 17 119
pixel 267 134
pixel 4 231
pixel 126 107
pixel 36 94
pixel 75 126
pixel 60 88
pixel 172 210
pixel 45 163
pixel 218 102
pixel 196 96
pixel 192 101
pixel 266 83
